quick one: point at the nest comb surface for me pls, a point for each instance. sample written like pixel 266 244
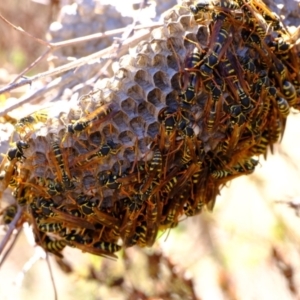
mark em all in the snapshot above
pixel 136 153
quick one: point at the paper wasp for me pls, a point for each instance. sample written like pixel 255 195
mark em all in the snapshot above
pixel 134 205
pixel 22 194
pixel 235 85
pixel 211 60
pixel 215 88
pixel 153 214
pixel 261 83
pixel 270 17
pixel 289 92
pixel 172 213
pixel 106 219
pixel 247 64
pixel 139 236
pixel 153 174
pixel 168 118
pixel 31 120
pixel 283 106
pixel 107 247
pixel 251 39
pixel 18 151
pixel 280 46
pixel 240 169
pixel 68 184
pixel 188 96
pixel 200 9
pixel 210 121
pixel 85 204
pixel 127 228
pixel 44 207
pixel 275 129
pixel 50 227
pixel 49 244
pixel 85 244
pixel 102 151
pixel 189 210
pixel 8 170
pixel 213 57
pixel 54 188
pixel 54 246
pixel 8 213
pixel 107 179
pixel 90 210
pixel 49 213
pixel 261 146
pixel 235 111
pixel 100 114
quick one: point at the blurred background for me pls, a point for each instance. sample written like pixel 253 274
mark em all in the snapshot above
pixel 247 248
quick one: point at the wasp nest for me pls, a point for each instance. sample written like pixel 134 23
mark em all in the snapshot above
pixel 186 111
pixel 80 19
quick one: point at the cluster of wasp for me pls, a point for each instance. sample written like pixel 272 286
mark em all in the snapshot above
pixel 123 169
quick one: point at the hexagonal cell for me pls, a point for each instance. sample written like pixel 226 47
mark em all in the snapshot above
pixel 138 125
pixel 171 100
pixel 121 166
pixel 110 132
pixel 136 92
pixel 183 10
pixel 126 60
pixel 38 159
pixel 185 21
pixel 190 41
pixel 176 47
pixel 129 106
pixel 81 146
pixel 107 193
pixel 159 61
pixel 152 110
pixel 130 154
pixel 107 202
pixel 120 74
pixel 41 172
pixel 74 114
pixel 142 60
pixel 156 97
pixel 173 62
pixel 84 101
pixel 77 173
pixel 159 33
pixel 176 82
pixel 171 15
pixel 96 138
pixel 175 29
pixel 69 155
pixel 144 47
pixel 89 182
pixel 161 80
pixel 121 120
pixel 144 144
pixel 203 36
pixel 40 144
pixel 61 133
pixel 127 137
pixel 143 110
pixel 153 129
pixel 142 78
pixel 110 98
pixel 159 45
